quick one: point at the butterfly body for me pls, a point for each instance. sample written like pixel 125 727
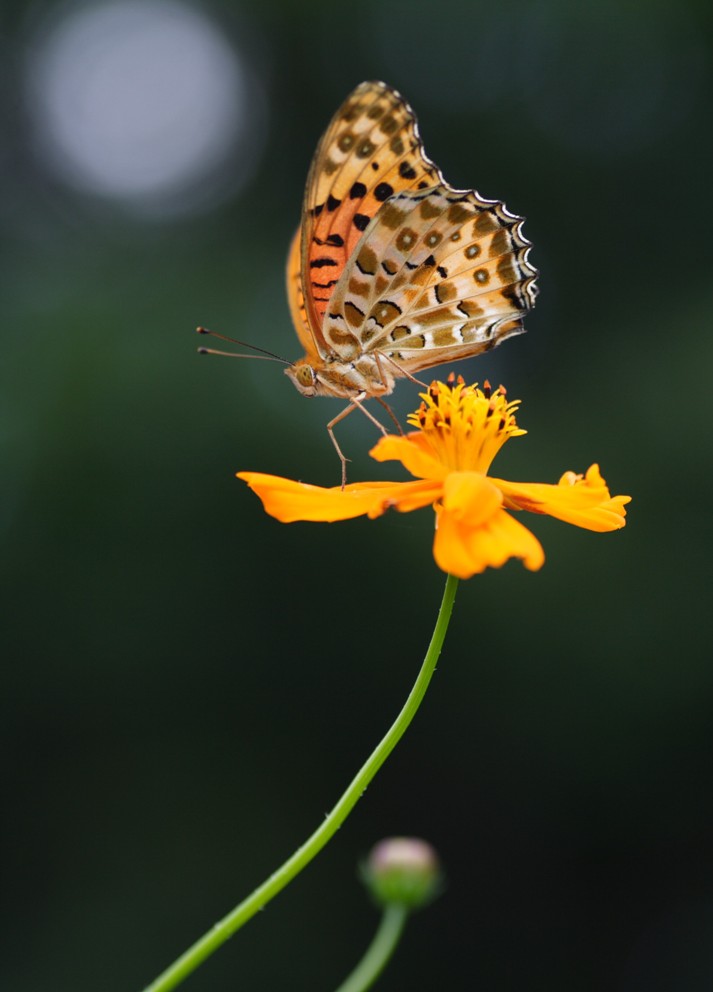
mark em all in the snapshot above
pixel 392 270
pixel 332 377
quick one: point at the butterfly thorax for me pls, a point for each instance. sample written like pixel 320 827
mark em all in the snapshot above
pixel 334 377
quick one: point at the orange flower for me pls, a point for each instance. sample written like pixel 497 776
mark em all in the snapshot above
pixel 460 429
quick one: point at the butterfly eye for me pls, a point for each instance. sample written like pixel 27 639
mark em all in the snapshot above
pixel 305 375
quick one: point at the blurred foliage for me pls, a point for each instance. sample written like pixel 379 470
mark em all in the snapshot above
pixel 188 685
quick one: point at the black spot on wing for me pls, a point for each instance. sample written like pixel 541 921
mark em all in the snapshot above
pixel 361 221
pixel 336 240
pixel 383 191
pixel 357 192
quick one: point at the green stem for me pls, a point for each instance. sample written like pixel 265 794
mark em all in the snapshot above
pixel 236 918
pixel 379 951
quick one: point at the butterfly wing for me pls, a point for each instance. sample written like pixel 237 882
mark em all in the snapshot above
pixel 296 299
pixel 438 275
pixel 370 151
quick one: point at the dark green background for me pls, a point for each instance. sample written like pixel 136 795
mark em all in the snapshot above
pixel 188 685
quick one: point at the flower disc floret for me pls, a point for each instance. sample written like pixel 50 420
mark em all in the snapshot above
pixel 465 426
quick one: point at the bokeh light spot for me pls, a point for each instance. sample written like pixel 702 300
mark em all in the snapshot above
pixel 141 102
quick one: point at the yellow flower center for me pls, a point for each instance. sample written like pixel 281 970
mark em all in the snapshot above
pixel 465 426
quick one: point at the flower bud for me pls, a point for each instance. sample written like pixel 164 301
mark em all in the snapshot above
pixel 402 870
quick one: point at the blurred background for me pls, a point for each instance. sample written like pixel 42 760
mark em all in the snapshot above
pixel 187 685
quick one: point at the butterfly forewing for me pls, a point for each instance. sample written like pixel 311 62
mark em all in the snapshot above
pixel 370 151
pixel 296 299
pixel 438 275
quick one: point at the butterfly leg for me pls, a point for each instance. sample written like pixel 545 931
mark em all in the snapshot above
pixel 356 404
pixel 330 430
pixel 391 413
pixel 401 370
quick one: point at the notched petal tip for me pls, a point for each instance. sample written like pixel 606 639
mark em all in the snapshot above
pixel 464 550
pixel 581 500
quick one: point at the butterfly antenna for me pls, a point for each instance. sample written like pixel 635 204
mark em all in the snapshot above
pixel 266 356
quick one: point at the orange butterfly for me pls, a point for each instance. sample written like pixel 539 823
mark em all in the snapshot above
pixel 392 270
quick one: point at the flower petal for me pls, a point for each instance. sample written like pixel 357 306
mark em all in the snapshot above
pixel 288 501
pixel 470 497
pixel 584 501
pixel 413 451
pixel 464 550
pixel 412 495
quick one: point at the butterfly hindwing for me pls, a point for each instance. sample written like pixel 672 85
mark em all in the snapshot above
pixel 438 275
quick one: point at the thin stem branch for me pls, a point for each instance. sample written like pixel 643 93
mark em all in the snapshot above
pixel 379 951
pixel 237 917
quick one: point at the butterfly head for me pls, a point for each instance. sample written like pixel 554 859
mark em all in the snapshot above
pixel 304 378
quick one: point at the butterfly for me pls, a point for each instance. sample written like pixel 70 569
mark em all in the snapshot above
pixel 391 270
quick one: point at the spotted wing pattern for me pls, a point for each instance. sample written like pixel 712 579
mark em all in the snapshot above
pixel 370 151
pixel 438 275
